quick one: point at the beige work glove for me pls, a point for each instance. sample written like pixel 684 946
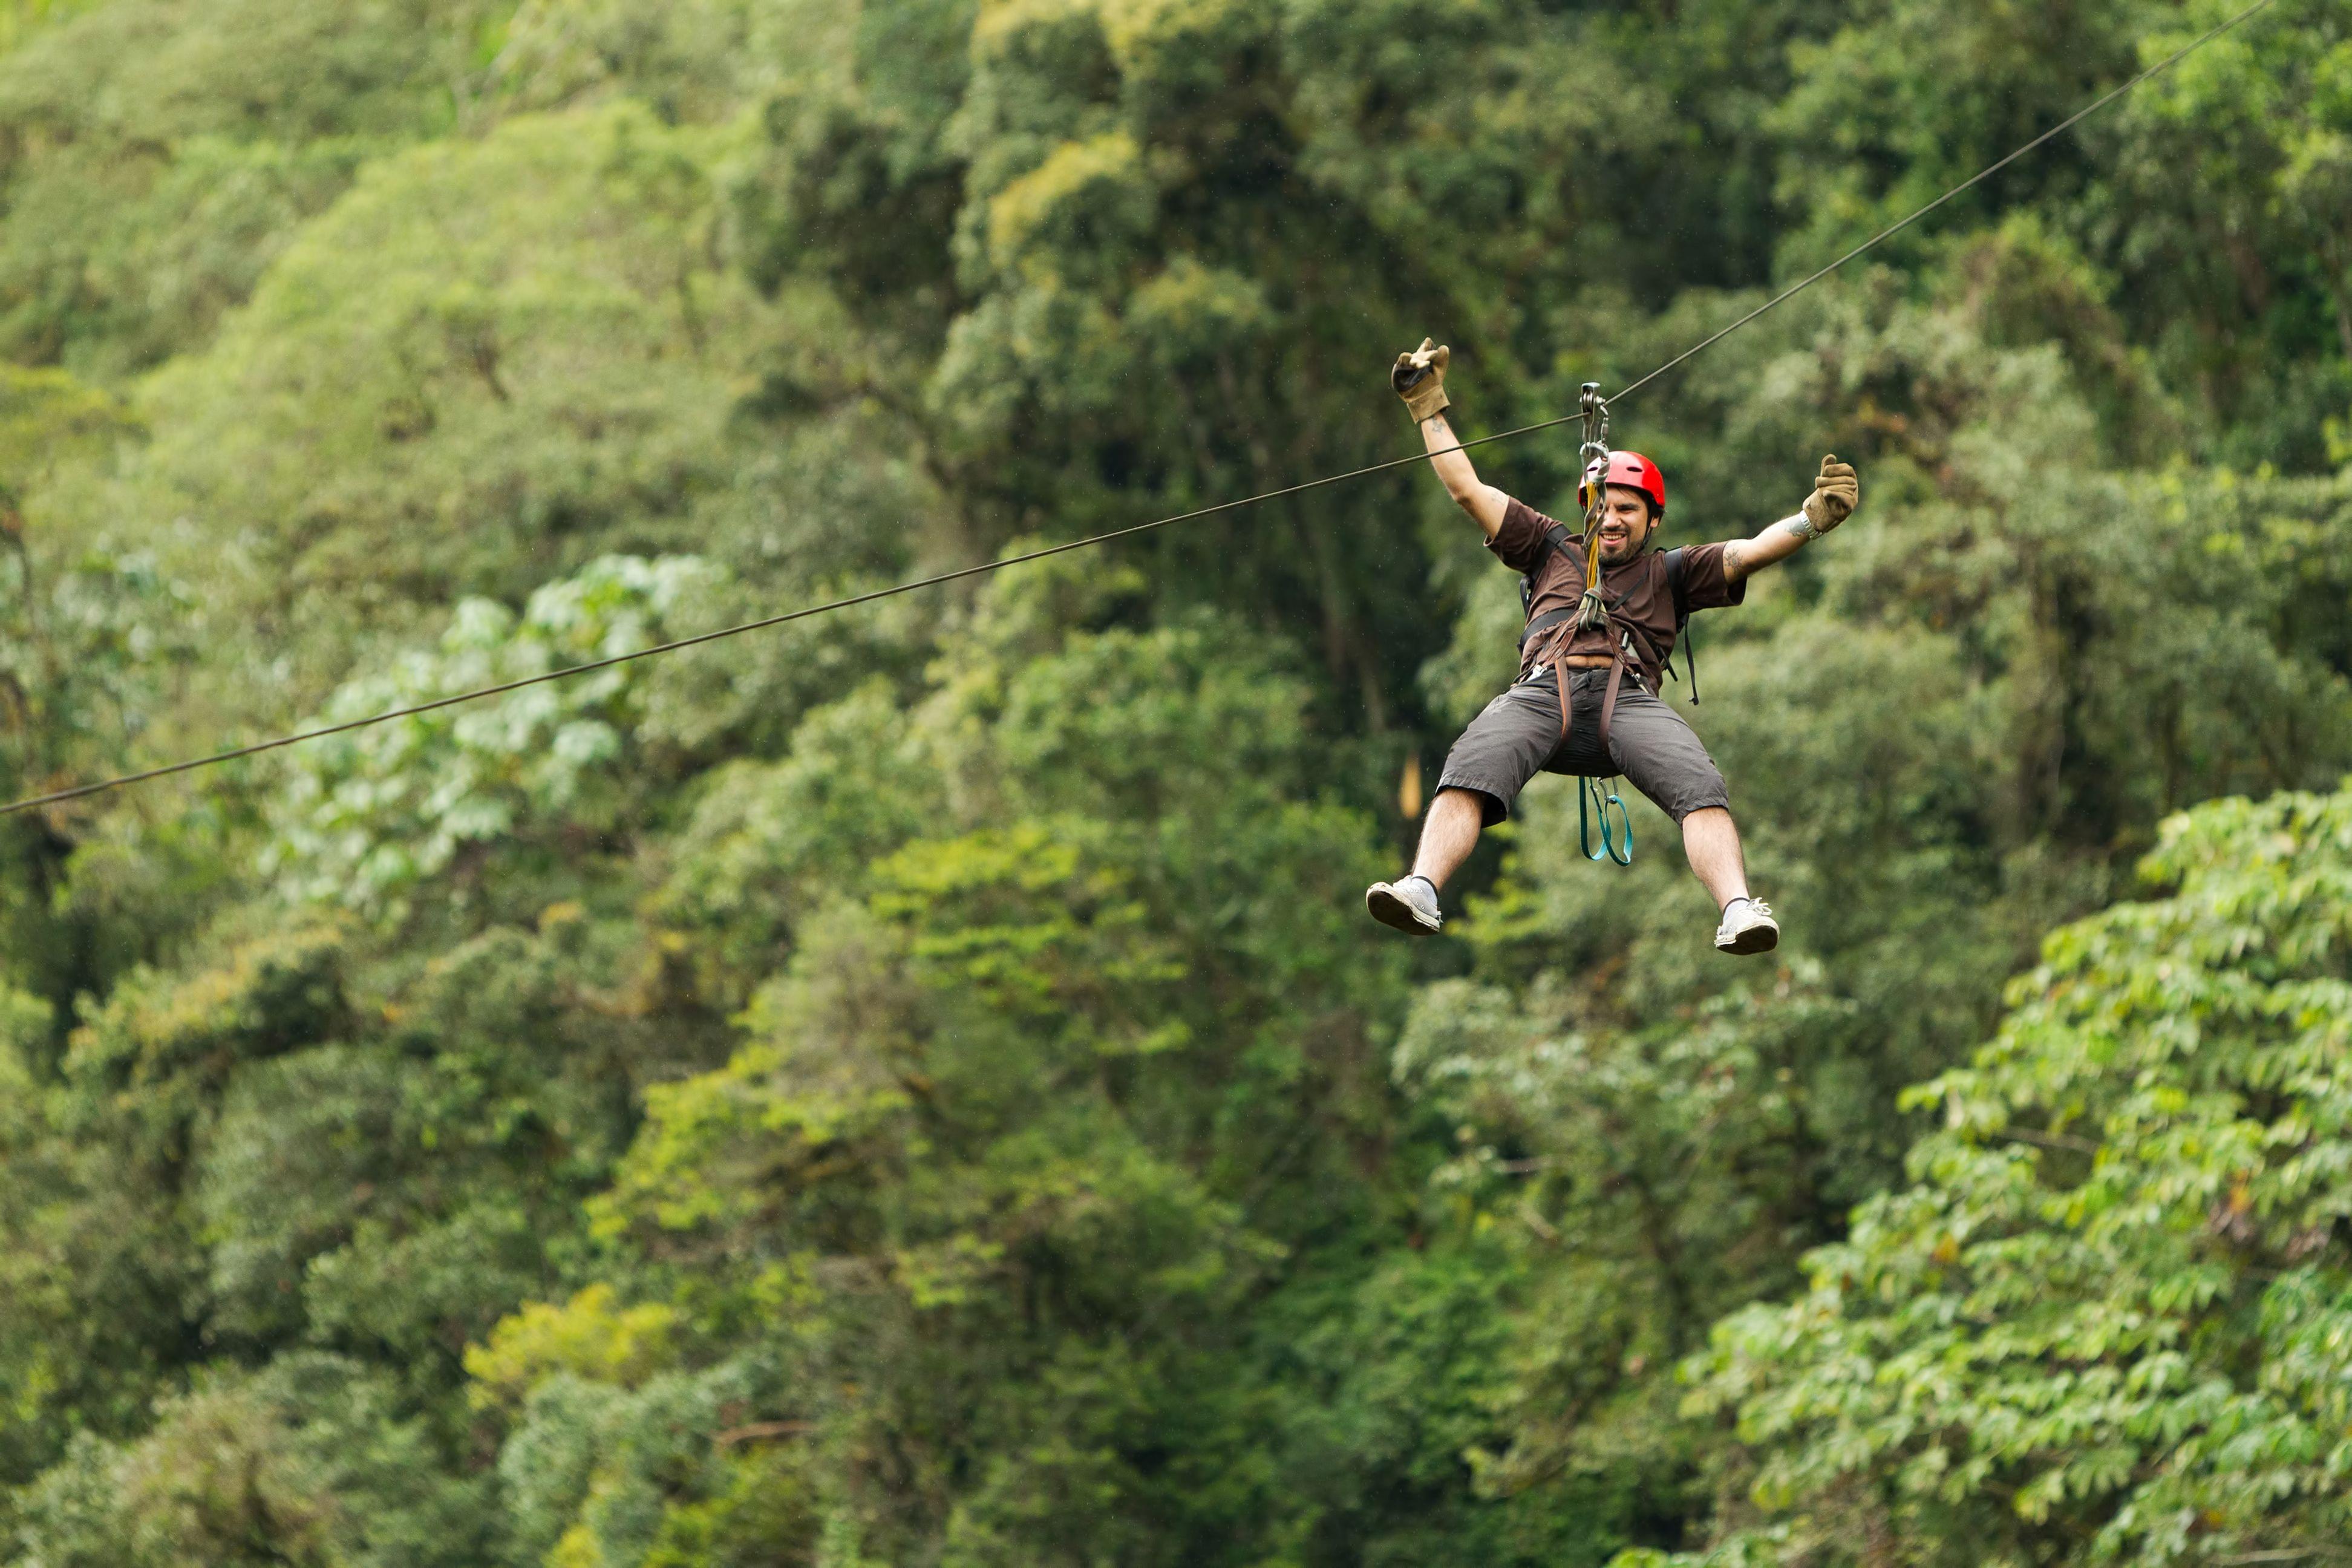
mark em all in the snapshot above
pixel 1419 378
pixel 1835 495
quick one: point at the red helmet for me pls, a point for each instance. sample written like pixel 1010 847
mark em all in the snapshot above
pixel 1631 469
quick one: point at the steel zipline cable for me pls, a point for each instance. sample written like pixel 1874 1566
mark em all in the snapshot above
pixel 1990 170
pixel 255 748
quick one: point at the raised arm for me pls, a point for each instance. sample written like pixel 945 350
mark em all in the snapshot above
pixel 1836 492
pixel 1483 501
pixel 1420 379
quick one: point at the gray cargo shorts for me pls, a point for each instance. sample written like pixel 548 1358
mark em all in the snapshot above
pixel 1518 736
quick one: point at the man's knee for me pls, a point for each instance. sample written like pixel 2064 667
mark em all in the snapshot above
pixel 1477 805
pixel 1707 818
pixel 1667 762
pixel 1684 782
pixel 1707 802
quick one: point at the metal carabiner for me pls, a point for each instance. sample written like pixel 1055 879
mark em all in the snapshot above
pixel 1595 409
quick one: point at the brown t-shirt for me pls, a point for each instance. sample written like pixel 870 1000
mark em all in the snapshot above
pixel 1636 589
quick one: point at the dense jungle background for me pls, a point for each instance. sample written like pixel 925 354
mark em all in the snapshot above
pixel 917 1086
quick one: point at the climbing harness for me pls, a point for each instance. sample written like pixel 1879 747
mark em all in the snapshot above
pixel 1592 612
pixel 1592 389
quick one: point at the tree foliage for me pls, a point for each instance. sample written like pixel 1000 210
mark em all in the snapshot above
pixel 914 1086
pixel 2106 1320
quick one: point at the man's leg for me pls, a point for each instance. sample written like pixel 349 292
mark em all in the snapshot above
pixel 1711 844
pixel 1666 761
pixel 1449 833
pixel 1502 749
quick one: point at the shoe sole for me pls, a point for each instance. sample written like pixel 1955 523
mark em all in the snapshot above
pixel 1755 938
pixel 1385 907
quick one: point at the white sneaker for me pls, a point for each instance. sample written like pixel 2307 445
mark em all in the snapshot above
pixel 1410 904
pixel 1747 927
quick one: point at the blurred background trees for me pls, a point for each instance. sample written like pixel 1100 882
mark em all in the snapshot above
pixel 915 1086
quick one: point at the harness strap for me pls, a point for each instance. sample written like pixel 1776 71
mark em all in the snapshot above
pixel 1611 849
pixel 1609 698
pixel 1555 652
pixel 1559 624
pixel 1545 623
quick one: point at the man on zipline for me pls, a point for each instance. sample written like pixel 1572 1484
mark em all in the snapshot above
pixel 1586 702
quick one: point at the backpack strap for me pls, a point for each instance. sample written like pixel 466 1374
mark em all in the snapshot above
pixel 1682 618
pixel 1555 540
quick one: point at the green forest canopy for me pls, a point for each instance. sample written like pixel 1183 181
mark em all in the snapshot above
pixel 917 1086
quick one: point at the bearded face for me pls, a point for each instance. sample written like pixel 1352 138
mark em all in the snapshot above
pixel 1625 524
